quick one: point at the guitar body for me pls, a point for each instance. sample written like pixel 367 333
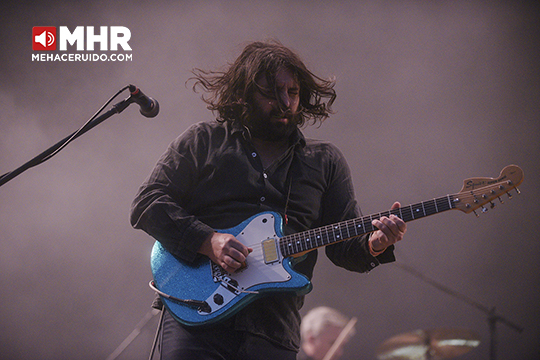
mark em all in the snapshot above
pixel 224 293
pixel 203 293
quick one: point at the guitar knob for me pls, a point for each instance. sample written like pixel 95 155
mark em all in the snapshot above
pixel 218 299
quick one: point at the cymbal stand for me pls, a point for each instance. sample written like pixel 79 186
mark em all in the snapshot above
pixel 493 317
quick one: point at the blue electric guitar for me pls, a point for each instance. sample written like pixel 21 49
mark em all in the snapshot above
pixel 203 293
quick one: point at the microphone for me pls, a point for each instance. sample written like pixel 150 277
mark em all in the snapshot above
pixel 149 106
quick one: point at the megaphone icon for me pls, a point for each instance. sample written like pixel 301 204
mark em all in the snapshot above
pixel 41 38
pixel 46 38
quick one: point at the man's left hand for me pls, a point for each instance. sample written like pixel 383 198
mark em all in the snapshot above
pixel 391 230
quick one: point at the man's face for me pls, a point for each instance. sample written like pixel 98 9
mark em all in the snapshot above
pixel 274 117
pixel 324 342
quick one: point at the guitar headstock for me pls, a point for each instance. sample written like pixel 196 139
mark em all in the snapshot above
pixel 477 192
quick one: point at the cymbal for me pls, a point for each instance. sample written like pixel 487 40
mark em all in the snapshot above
pixel 428 344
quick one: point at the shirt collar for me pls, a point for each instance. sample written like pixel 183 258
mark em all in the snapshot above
pixel 297 137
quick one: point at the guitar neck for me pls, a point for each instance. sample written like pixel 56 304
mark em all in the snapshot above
pixel 305 241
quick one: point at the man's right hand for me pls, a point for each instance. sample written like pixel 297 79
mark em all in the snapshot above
pixel 226 251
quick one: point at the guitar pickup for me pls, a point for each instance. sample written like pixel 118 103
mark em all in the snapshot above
pixel 270 251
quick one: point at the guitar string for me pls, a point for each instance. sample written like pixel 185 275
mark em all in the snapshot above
pixel 348 226
pixel 431 206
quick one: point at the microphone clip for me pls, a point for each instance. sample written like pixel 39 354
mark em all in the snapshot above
pixel 149 106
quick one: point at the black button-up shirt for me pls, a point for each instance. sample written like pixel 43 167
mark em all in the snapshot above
pixel 211 177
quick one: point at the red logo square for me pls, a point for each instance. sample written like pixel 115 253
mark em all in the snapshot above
pixel 44 38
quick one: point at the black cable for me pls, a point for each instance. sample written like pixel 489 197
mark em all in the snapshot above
pixel 76 133
pixel 49 153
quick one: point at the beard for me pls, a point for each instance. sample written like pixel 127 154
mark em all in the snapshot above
pixel 270 126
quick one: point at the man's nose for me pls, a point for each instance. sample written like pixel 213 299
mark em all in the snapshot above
pixel 285 100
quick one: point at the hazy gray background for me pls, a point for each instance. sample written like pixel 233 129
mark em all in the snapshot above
pixel 429 94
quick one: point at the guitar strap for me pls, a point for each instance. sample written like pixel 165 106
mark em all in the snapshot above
pixel 286 219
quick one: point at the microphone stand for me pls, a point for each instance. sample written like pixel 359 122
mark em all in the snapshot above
pixel 47 154
pixel 493 317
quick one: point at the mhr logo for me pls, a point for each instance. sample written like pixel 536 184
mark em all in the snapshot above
pixel 45 38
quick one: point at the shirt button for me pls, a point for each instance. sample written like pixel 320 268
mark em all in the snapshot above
pixel 263 198
pixel 265 175
pixel 254 154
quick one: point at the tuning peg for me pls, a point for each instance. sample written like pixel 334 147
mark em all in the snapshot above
pixel 517 191
pixel 509 196
pixel 484 209
pixel 501 200
pixel 474 211
pixel 491 204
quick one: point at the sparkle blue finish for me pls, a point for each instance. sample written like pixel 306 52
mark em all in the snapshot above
pixel 195 281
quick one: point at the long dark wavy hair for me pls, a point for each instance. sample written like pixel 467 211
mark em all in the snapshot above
pixel 230 92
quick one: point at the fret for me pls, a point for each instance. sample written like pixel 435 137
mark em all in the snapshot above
pixel 313 239
pixel 287 248
pixel 369 226
pixel 411 212
pixel 347 228
pixel 416 211
pixel 292 247
pixel 299 244
pixel 290 244
pixel 450 201
pixel 301 241
pixel 355 229
pixel 437 205
pixel 359 227
pixel 362 226
pixel 336 235
pixel 305 241
pixel 406 213
pixel 327 236
pixel 308 243
pixel 429 207
pixel 296 243
pixel 319 238
pixel 346 225
pixel 443 204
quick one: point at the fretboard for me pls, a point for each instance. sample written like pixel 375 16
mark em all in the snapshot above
pixel 311 239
